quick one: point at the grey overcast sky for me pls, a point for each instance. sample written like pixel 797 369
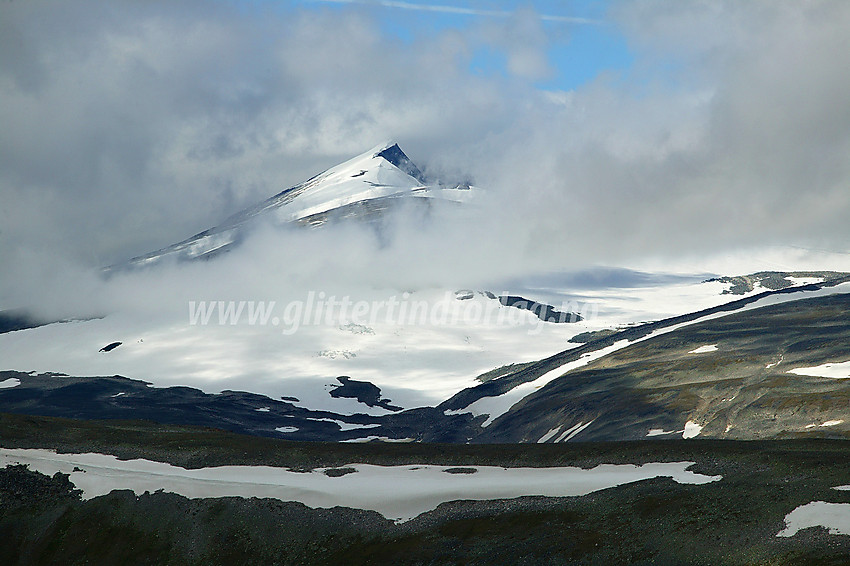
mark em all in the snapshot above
pixel 701 126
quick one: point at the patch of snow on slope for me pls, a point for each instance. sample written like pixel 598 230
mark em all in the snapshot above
pixel 704 349
pixel 833 516
pixel 692 430
pixel 343 426
pixel 837 370
pixel 797 281
pixel 661 432
pixel 396 492
pixel 549 435
pixel 572 432
pixel 826 424
pixel 9 383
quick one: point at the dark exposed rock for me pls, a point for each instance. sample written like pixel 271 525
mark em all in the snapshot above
pixel 339 472
pixel 773 280
pixel 397 157
pixel 543 311
pixel 367 393
pixel 585 337
pixel 460 470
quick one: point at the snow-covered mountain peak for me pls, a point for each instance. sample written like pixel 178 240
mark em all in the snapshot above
pixel 362 188
pixel 379 173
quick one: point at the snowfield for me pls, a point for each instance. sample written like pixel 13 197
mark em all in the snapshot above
pixel 838 370
pixel 414 365
pixel 833 516
pixel 399 493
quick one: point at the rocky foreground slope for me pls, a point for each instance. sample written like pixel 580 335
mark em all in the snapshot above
pixel 734 520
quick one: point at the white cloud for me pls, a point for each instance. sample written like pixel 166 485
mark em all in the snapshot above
pixel 130 126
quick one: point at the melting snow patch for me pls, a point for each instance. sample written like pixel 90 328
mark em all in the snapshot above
pixel 344 425
pixel 827 423
pixel 661 431
pixel 11 382
pixel 263 409
pixel 571 432
pixel 839 370
pixel 704 349
pixel 399 493
pixel 287 429
pixel 833 516
pixel 692 429
pixel 549 434
pixel 804 280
